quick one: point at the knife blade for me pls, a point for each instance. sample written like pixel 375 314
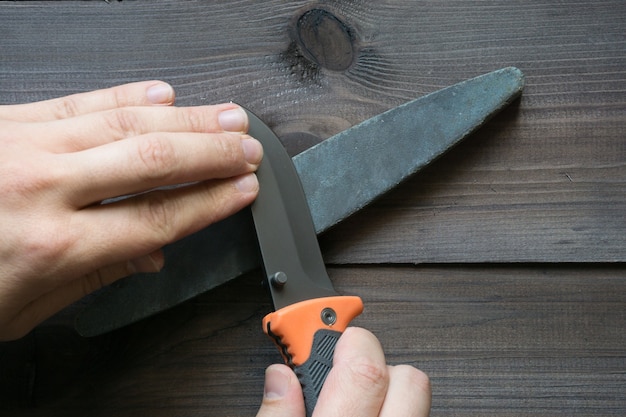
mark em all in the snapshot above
pixel 340 176
pixel 310 316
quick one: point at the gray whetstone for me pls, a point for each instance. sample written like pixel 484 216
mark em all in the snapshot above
pixel 340 176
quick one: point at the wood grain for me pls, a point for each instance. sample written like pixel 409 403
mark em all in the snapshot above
pixel 506 340
pixel 539 193
pixel 545 182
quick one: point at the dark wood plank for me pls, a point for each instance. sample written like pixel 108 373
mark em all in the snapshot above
pixel 546 182
pixel 543 182
pixel 501 340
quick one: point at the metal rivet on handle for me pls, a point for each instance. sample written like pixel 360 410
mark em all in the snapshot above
pixel 329 317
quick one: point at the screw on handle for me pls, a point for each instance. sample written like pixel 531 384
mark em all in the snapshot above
pixel 306 334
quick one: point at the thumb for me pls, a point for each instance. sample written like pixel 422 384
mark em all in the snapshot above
pixel 282 396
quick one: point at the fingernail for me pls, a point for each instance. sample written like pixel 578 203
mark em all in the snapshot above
pixel 148 263
pixel 252 150
pixel 160 93
pixel 276 383
pixel 247 183
pixel 234 120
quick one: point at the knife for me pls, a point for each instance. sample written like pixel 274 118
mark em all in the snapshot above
pixel 340 176
pixel 310 316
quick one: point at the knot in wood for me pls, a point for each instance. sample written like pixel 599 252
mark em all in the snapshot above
pixel 325 40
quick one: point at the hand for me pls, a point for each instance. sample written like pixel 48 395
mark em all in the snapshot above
pixel 61 158
pixel 360 384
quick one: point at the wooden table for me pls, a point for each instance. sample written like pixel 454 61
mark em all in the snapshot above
pixel 499 270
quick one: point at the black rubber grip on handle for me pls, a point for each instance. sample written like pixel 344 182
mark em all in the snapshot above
pixel 314 371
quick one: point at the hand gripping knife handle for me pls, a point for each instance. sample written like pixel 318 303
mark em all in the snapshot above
pixel 306 334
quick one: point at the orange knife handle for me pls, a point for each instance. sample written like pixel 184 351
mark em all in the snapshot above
pixel 306 334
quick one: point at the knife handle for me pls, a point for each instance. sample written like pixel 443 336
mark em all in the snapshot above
pixel 306 334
